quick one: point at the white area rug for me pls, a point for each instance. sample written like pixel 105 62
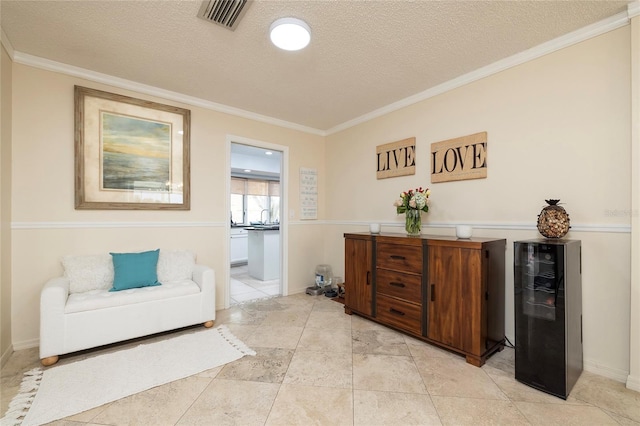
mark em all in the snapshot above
pixel 65 390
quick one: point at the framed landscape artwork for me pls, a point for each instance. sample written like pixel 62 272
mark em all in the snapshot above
pixel 130 154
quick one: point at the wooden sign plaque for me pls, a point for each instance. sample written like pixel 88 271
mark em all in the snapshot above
pixel 396 159
pixel 459 159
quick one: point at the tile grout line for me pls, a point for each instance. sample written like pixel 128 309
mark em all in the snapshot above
pixel 353 379
pixel 413 359
pixel 197 397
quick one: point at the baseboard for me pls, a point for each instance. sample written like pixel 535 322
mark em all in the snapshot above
pixel 26 344
pixel 297 291
pixel 6 355
pixel 633 383
pixel 611 373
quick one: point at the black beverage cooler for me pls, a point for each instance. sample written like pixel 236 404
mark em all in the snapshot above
pixel 548 314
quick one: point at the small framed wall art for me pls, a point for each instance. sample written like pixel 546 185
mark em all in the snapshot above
pixel 130 154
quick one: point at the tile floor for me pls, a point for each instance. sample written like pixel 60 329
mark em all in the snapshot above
pixel 244 288
pixel 317 366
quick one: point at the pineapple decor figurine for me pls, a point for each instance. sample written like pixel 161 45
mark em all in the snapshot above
pixel 553 220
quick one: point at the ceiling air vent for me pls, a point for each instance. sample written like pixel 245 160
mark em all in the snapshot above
pixel 224 12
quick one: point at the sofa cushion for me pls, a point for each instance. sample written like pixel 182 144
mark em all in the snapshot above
pixel 175 265
pixel 88 272
pixel 100 299
pixel 135 270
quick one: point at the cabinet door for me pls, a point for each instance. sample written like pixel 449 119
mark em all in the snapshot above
pixel 357 274
pixel 444 296
pixel 456 298
pixel 472 304
pixel 239 252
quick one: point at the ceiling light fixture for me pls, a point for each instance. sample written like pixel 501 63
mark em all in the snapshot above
pixel 290 33
pixel 268 153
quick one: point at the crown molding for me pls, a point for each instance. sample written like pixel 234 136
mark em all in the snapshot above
pixel 601 27
pixel 609 24
pixel 633 9
pixel 7 43
pixel 59 67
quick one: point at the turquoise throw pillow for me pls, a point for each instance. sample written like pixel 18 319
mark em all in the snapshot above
pixel 134 270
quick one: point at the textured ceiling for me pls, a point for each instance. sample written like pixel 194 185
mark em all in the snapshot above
pixel 363 55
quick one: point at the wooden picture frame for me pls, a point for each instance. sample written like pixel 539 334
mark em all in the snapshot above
pixel 130 154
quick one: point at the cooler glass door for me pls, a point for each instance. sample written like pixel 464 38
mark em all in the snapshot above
pixel 539 316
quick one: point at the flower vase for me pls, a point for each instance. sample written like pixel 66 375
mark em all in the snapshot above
pixel 413 222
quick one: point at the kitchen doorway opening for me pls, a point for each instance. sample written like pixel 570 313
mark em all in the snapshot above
pixel 257 221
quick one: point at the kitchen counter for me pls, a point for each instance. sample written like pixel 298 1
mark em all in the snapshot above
pixel 264 252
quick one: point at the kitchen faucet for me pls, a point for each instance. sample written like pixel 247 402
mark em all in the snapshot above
pixel 263 210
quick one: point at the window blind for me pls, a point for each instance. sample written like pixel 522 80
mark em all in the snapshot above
pixel 238 186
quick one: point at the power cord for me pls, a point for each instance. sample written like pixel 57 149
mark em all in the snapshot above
pixel 509 344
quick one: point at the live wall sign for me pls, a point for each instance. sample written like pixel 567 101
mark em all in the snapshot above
pixel 396 159
pixel 459 159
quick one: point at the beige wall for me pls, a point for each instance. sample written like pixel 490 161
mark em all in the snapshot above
pixel 558 127
pixel 633 380
pixel 5 206
pixel 46 226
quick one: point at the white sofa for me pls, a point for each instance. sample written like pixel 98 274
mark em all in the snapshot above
pixel 77 311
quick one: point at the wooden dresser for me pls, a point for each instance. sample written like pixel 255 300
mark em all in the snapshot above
pixel 443 290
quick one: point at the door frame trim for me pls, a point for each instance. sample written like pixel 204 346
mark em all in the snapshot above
pixel 284 203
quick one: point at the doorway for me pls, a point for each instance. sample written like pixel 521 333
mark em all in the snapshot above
pixel 257 222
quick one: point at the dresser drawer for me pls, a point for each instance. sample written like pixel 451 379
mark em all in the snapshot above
pixel 398 313
pixel 397 284
pixel 406 258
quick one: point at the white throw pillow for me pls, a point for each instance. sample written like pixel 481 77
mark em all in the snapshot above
pixel 175 265
pixel 89 272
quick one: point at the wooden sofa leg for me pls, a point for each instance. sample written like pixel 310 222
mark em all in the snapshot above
pixel 50 360
pixel 208 324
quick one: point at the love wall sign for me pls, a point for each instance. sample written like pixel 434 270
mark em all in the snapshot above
pixel 459 159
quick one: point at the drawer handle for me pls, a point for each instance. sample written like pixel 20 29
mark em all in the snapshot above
pixel 368 277
pixel 433 292
pixel 397 257
pixel 395 284
pixel 395 311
